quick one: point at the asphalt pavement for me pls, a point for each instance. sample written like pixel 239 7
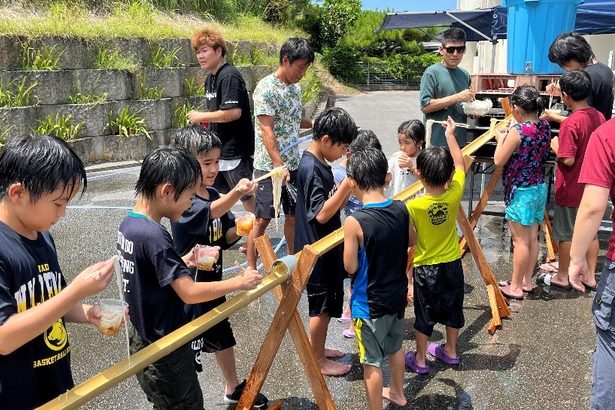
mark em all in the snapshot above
pixel 540 359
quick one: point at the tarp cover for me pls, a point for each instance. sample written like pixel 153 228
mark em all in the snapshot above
pixel 593 17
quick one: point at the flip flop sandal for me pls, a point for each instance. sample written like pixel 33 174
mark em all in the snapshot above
pixel 503 283
pixel 589 288
pixel 546 280
pixel 508 295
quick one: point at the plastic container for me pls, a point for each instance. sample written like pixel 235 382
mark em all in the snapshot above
pixel 112 313
pixel 532 27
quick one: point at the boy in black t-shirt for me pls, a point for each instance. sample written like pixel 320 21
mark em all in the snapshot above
pixel 317 215
pixel 39 175
pixel 376 240
pixel 157 282
pixel 209 222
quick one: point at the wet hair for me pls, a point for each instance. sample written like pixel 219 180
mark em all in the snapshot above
pixel 570 46
pixel 415 130
pixel 197 139
pixel 41 164
pixel 453 35
pixel 296 49
pixel 174 165
pixel 368 168
pixel 577 84
pixel 435 165
pixel 528 98
pixel 365 139
pixel 211 37
pixel 337 124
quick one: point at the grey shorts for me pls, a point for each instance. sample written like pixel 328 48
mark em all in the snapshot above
pixel 603 372
pixel 378 338
pixel 563 223
pixel 227 180
pixel 171 382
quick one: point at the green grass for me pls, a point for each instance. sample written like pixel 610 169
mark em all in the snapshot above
pixel 114 60
pixel 45 58
pixel 193 88
pixel 80 98
pixel 17 94
pixel 127 124
pixel 310 86
pixel 139 19
pixel 60 126
pixel 150 93
pixel 3 135
pixel 166 59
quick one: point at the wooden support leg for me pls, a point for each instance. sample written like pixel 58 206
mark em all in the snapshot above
pixel 481 262
pixel 320 391
pixel 496 321
pixel 280 323
pixel 548 233
pixel 482 203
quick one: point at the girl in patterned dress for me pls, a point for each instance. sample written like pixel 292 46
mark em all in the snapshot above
pixel 523 152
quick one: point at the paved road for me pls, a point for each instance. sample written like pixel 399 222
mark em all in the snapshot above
pixel 541 359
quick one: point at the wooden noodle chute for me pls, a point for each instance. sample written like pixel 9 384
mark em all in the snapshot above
pixel 122 370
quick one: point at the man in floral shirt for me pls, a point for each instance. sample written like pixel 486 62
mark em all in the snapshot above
pixel 277 114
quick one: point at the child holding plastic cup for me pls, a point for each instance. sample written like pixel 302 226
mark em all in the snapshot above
pixel 209 222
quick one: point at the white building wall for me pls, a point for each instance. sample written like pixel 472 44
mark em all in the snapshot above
pixel 478 57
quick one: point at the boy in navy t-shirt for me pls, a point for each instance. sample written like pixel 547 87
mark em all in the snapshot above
pixel 39 175
pixel 210 222
pixel 157 282
pixel 376 240
pixel 317 215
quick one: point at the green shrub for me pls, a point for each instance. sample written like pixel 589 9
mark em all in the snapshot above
pixel 310 86
pixel 410 66
pixel 126 123
pixel 341 61
pixel 180 115
pixel 114 60
pixel 79 98
pixel 45 58
pixel 193 88
pixel 165 59
pixel 60 126
pixel 16 94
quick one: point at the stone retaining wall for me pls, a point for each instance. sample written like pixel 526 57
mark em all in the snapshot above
pixel 122 88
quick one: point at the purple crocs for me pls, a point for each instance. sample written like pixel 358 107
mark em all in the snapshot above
pixel 438 352
pixel 410 361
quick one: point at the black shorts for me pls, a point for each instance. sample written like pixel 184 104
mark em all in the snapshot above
pixel 219 337
pixel 325 287
pixel 264 196
pixel 227 180
pixel 438 296
pixel 171 382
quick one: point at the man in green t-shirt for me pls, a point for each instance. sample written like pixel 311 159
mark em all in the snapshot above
pixel 444 86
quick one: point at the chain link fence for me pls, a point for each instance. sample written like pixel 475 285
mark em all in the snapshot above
pixel 376 76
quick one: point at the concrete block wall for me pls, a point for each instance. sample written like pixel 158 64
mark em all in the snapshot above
pixel 53 89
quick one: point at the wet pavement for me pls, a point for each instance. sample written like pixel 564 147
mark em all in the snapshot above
pixel 540 359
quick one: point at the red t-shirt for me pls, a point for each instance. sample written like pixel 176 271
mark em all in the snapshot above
pixel 599 167
pixel 574 135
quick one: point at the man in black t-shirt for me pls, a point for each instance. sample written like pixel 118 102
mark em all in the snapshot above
pixel 573 53
pixel 228 112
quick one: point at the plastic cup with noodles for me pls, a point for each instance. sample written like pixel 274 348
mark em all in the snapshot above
pixel 244 221
pixel 206 256
pixel 112 316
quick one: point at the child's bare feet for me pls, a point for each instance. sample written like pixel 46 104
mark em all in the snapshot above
pixel 331 368
pixel 397 398
pixel 333 353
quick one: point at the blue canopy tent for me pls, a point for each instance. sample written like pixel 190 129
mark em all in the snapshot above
pixel 593 17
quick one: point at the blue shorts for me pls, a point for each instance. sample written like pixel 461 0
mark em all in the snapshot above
pixel 527 206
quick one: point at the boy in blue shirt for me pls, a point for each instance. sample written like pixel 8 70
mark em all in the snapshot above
pixel 317 215
pixel 157 282
pixel 376 240
pixel 209 222
pixel 39 175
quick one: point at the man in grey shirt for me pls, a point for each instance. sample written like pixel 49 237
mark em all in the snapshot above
pixel 444 86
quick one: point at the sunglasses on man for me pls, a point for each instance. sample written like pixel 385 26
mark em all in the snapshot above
pixel 452 49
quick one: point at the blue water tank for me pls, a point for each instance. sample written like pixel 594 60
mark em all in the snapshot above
pixel 532 27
